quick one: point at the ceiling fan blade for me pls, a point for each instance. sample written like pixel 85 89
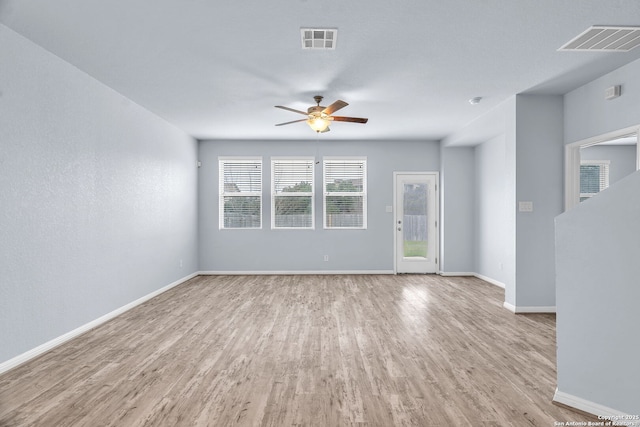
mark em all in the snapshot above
pixel 291 109
pixel 294 121
pixel 349 119
pixel 334 107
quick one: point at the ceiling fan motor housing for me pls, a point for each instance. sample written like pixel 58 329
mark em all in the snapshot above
pixel 315 109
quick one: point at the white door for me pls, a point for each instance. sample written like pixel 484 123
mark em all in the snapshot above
pixel 416 222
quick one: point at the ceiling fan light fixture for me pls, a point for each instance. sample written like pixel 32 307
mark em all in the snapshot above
pixel 318 123
pixel 319 117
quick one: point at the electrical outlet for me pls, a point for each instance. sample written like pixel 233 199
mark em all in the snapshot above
pixel 180 263
pixel 326 257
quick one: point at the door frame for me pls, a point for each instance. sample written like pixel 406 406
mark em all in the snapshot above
pixel 436 202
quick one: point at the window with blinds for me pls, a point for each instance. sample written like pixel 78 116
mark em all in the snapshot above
pixel 594 177
pixel 240 192
pixel 292 189
pixel 345 193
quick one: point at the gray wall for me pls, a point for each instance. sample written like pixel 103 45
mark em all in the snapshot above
pixel 491 207
pixel 97 199
pixel 622 158
pixel 539 178
pixel 588 114
pixel 303 250
pixel 511 200
pixel 457 195
pixel 598 292
pixel 597 261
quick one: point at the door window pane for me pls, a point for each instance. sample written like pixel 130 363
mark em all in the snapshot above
pixel 415 220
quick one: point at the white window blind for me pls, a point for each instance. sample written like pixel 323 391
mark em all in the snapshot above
pixel 594 177
pixel 292 190
pixel 240 193
pixel 345 193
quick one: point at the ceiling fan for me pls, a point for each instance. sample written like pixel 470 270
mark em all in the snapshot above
pixel 319 117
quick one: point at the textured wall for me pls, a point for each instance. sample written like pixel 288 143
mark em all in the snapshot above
pixel 97 198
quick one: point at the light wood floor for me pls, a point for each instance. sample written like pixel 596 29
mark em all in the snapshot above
pixel 414 350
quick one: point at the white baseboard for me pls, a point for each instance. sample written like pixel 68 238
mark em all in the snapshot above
pixel 472 274
pixel 291 272
pixel 585 405
pixel 458 274
pixel 490 280
pixel 534 309
pixel 43 348
pixel 510 307
pixel 513 308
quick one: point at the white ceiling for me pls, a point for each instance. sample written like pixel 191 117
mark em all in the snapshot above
pixel 217 68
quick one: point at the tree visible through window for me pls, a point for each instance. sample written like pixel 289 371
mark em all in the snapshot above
pixel 345 193
pixel 292 193
pixel 240 193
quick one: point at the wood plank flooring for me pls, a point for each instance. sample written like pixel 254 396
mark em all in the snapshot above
pixel 409 350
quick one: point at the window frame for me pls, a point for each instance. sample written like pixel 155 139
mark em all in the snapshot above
pixel 224 160
pixel 363 193
pixel 310 161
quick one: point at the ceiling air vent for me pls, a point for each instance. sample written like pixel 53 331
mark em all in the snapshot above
pixel 319 38
pixel 605 38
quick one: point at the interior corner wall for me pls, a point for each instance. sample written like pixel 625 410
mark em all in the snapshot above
pixel 510 229
pixel 98 199
pixel 539 179
pixel 268 250
pixel 457 195
pixel 491 210
pixel 492 138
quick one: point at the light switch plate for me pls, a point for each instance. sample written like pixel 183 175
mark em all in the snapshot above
pixel 389 209
pixel 525 206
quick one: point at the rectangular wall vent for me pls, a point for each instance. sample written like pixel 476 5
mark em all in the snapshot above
pixel 319 38
pixel 605 38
